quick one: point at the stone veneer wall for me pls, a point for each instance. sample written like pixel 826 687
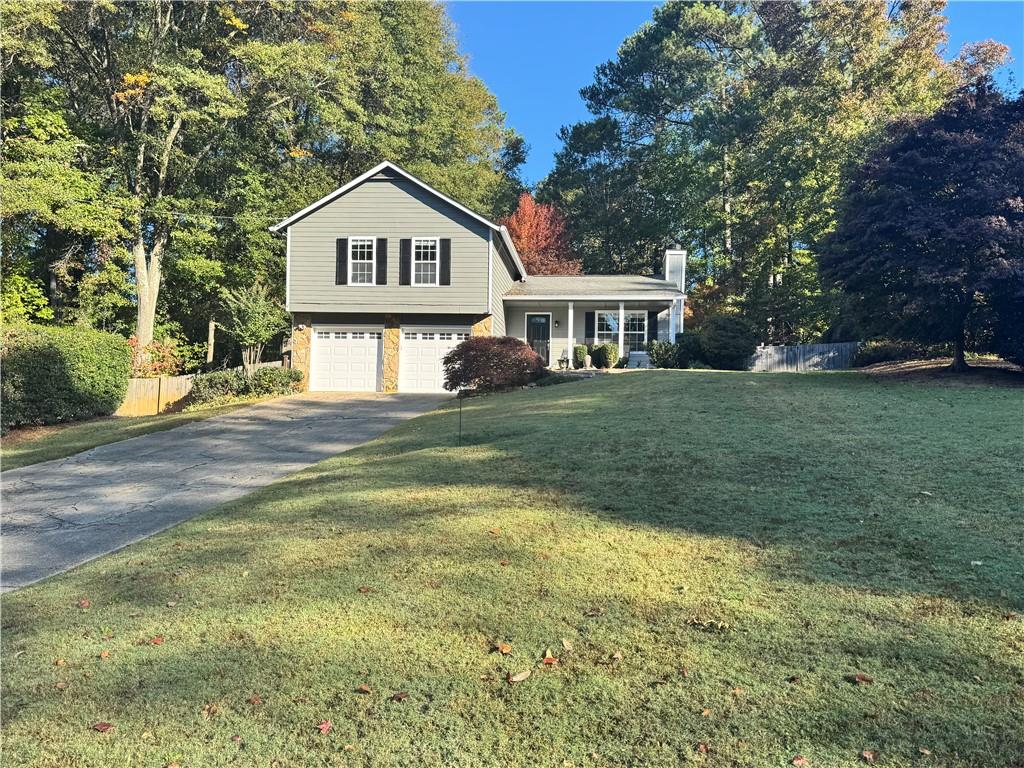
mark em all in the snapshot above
pixel 483 327
pixel 392 335
pixel 301 341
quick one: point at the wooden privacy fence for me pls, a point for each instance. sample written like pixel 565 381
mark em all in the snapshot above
pixel 148 397
pixel 794 358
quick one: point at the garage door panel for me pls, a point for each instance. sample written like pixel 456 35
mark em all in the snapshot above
pixel 421 366
pixel 346 360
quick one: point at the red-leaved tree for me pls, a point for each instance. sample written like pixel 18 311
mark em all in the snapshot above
pixel 538 230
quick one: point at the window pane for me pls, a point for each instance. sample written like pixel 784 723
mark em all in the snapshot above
pixel 361 261
pixel 424 262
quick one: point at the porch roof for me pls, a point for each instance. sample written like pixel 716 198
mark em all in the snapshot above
pixel 593 287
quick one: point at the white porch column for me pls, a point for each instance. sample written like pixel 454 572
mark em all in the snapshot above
pixel 572 337
pixel 622 328
pixel 672 315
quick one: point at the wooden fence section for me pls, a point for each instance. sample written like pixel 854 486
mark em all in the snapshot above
pixel 804 357
pixel 148 397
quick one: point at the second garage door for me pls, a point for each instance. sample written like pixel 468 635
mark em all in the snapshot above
pixel 421 366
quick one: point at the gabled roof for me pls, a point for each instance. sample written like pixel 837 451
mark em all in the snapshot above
pixel 387 165
pixel 582 287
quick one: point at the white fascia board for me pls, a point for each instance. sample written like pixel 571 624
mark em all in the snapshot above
pixel 602 297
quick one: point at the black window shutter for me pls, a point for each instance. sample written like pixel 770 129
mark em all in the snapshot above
pixel 341 261
pixel 652 325
pixel 405 261
pixel 591 326
pixel 445 276
pixel 382 261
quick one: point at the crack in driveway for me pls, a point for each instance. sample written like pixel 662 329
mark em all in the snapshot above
pixel 123 492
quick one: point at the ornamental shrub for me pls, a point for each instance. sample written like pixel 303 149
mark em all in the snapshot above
pixel 491 364
pixel 579 355
pixel 728 342
pixel 58 374
pixel 688 349
pixel 662 354
pixel 221 386
pixel 605 355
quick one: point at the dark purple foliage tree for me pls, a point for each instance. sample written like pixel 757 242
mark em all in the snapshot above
pixel 930 239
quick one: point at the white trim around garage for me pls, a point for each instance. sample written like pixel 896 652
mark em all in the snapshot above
pixel 315 385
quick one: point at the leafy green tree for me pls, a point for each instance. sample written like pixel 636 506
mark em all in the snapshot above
pixel 731 129
pixel 172 134
pixel 252 317
pixel 22 300
pixel 931 233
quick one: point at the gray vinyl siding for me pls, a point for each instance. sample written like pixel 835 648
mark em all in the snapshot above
pixel 501 282
pixel 395 209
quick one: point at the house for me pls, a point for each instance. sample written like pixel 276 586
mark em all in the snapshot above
pixel 385 275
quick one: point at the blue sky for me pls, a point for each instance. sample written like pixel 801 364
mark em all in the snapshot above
pixel 537 55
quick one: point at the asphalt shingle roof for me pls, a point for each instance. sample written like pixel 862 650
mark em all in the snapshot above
pixel 590 285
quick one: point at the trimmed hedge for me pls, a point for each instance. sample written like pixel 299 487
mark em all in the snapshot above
pixel 689 351
pixel 579 355
pixel 662 354
pixel 220 386
pixel 491 364
pixel 728 342
pixel 605 355
pixel 57 374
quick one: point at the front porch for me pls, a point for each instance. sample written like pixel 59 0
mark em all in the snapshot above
pixel 553 326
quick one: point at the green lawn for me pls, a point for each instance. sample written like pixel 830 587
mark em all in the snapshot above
pixel 35 444
pixel 712 557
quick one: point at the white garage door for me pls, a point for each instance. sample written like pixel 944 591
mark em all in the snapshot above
pixel 421 367
pixel 346 359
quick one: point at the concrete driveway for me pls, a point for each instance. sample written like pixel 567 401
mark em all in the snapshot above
pixel 61 513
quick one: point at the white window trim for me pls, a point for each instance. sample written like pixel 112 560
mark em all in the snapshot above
pixel 412 266
pixel 597 338
pixel 373 262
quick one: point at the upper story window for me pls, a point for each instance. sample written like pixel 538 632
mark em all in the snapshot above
pixel 424 261
pixel 361 264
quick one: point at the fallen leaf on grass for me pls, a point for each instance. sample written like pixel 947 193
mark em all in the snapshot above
pixel 209 710
pixel 364 689
pixel 860 679
pixel 503 562
pixel 503 648
pixel 593 613
pixel 566 644
pixel 61 685
pixel 364 590
pixel 494 531
pixel 59 662
pixel 868 755
pixel 617 656
pixel 703 748
pixel 400 696
pixel 85 602
pixel 255 700
pixel 737 691
pixel 706 713
pixel 800 760
pixel 518 677
pixel 325 726
pixel 102 727
pixel 237 739
pixel 924 751
pixel 156 640
pixel 793 679
pixel 549 657
pixel 104 654
pixel 172 603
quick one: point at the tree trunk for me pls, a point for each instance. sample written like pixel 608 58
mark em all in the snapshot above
pixel 959 361
pixel 147 286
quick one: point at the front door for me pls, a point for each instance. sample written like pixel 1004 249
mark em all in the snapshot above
pixel 538 335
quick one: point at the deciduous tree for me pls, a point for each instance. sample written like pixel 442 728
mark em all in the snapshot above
pixel 539 232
